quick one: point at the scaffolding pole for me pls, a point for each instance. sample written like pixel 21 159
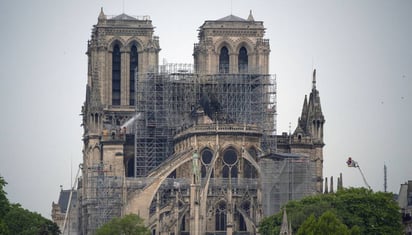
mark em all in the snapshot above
pixel 104 198
pixel 166 103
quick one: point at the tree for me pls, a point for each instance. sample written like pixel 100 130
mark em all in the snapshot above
pixel 361 210
pixel 308 227
pixel 128 225
pixel 328 224
pixel 4 202
pixel 16 220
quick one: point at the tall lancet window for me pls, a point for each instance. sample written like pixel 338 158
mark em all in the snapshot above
pixel 220 216
pixel 133 70
pixel 224 60
pixel 243 60
pixel 116 64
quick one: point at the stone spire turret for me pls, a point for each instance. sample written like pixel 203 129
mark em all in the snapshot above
pixel 102 16
pixel 285 228
pixel 312 119
pixel 250 17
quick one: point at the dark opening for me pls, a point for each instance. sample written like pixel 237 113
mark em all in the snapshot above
pixel 116 64
pixel 243 60
pixel 249 170
pixel 207 156
pixel 220 217
pixel 133 70
pixel 224 60
pixel 230 157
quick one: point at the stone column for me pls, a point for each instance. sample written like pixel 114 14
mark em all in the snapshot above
pixel 194 210
pixel 108 80
pixel 195 196
pixel 233 63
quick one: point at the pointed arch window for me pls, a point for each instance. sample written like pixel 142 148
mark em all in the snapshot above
pixel 220 217
pixel 116 64
pixel 133 72
pixel 249 170
pixel 243 60
pixel 224 60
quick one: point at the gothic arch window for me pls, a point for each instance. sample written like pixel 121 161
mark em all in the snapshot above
pixel 207 156
pixel 133 70
pixel 233 172
pixel 225 171
pixel 116 74
pixel 230 160
pixel 220 216
pixel 249 170
pixel 224 60
pixel 243 60
pixel 203 171
pixel 245 206
pixel 183 224
pixel 230 157
pixel 206 159
pixel 242 223
pixel 130 167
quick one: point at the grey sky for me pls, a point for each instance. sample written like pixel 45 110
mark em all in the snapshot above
pixel 361 49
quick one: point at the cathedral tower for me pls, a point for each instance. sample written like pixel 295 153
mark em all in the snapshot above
pixel 232 45
pixel 120 47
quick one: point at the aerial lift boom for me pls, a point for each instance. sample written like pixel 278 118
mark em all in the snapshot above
pixel 351 163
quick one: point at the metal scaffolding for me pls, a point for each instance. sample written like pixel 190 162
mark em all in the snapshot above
pixel 103 200
pixel 286 177
pixel 167 103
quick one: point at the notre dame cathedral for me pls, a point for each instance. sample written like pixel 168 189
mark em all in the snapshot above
pixel 190 148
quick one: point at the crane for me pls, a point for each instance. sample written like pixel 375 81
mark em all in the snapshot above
pixel 351 163
pixel 70 198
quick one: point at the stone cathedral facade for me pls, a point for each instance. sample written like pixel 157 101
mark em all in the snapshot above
pixel 191 149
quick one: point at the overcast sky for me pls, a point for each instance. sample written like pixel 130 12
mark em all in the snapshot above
pixel 361 49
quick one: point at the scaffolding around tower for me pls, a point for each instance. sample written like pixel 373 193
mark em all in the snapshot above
pixel 103 200
pixel 167 103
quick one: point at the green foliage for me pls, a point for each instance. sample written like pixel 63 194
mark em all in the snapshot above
pixel 128 225
pixel 360 210
pixel 308 227
pixel 271 225
pixel 4 202
pixel 16 220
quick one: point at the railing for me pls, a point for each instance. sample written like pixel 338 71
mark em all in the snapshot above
pixel 137 17
pixel 239 183
pixel 169 183
pixel 114 135
pixel 252 129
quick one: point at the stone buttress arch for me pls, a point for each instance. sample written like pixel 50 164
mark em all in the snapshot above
pixel 138 200
pixel 250 225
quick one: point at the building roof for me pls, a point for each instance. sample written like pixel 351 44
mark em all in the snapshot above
pixel 286 155
pixel 64 199
pixel 123 17
pixel 231 18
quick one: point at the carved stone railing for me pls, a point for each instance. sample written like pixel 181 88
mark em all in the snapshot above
pixel 220 129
